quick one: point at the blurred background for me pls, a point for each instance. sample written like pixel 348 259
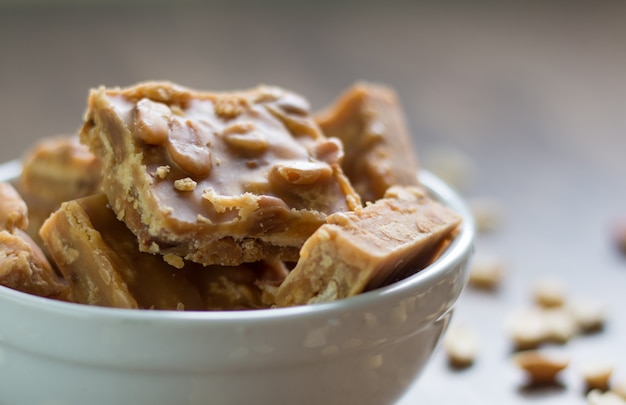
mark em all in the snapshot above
pixel 527 98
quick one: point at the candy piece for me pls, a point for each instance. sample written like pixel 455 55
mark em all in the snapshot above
pixel 23 266
pixel 461 346
pixel 56 170
pixel 367 248
pixel 92 250
pixel 486 272
pixel 13 210
pixel 258 176
pixel 100 258
pixel 369 121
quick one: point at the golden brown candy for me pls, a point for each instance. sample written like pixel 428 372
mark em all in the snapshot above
pixel 369 121
pixel 23 266
pixel 100 258
pixel 220 178
pixel 364 249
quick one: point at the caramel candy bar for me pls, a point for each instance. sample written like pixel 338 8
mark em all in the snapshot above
pixel 369 121
pixel 23 266
pixel 365 249
pixel 56 170
pixel 216 178
pixel 99 257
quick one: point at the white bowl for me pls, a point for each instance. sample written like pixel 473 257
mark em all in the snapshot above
pixel 363 350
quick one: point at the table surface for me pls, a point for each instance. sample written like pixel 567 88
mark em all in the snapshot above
pixel 532 95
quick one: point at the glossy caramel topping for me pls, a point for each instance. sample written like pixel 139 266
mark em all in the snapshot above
pixel 234 153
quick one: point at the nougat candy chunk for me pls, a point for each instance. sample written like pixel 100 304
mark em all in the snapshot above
pixel 56 170
pixel 23 266
pixel 100 258
pixel 216 178
pixel 379 154
pixel 369 247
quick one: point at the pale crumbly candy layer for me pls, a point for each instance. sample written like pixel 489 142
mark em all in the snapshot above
pixel 250 175
pixel 364 249
pixel 370 122
pixel 100 258
pixel 23 265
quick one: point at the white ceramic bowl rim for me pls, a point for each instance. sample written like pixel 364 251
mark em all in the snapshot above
pixel 455 252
